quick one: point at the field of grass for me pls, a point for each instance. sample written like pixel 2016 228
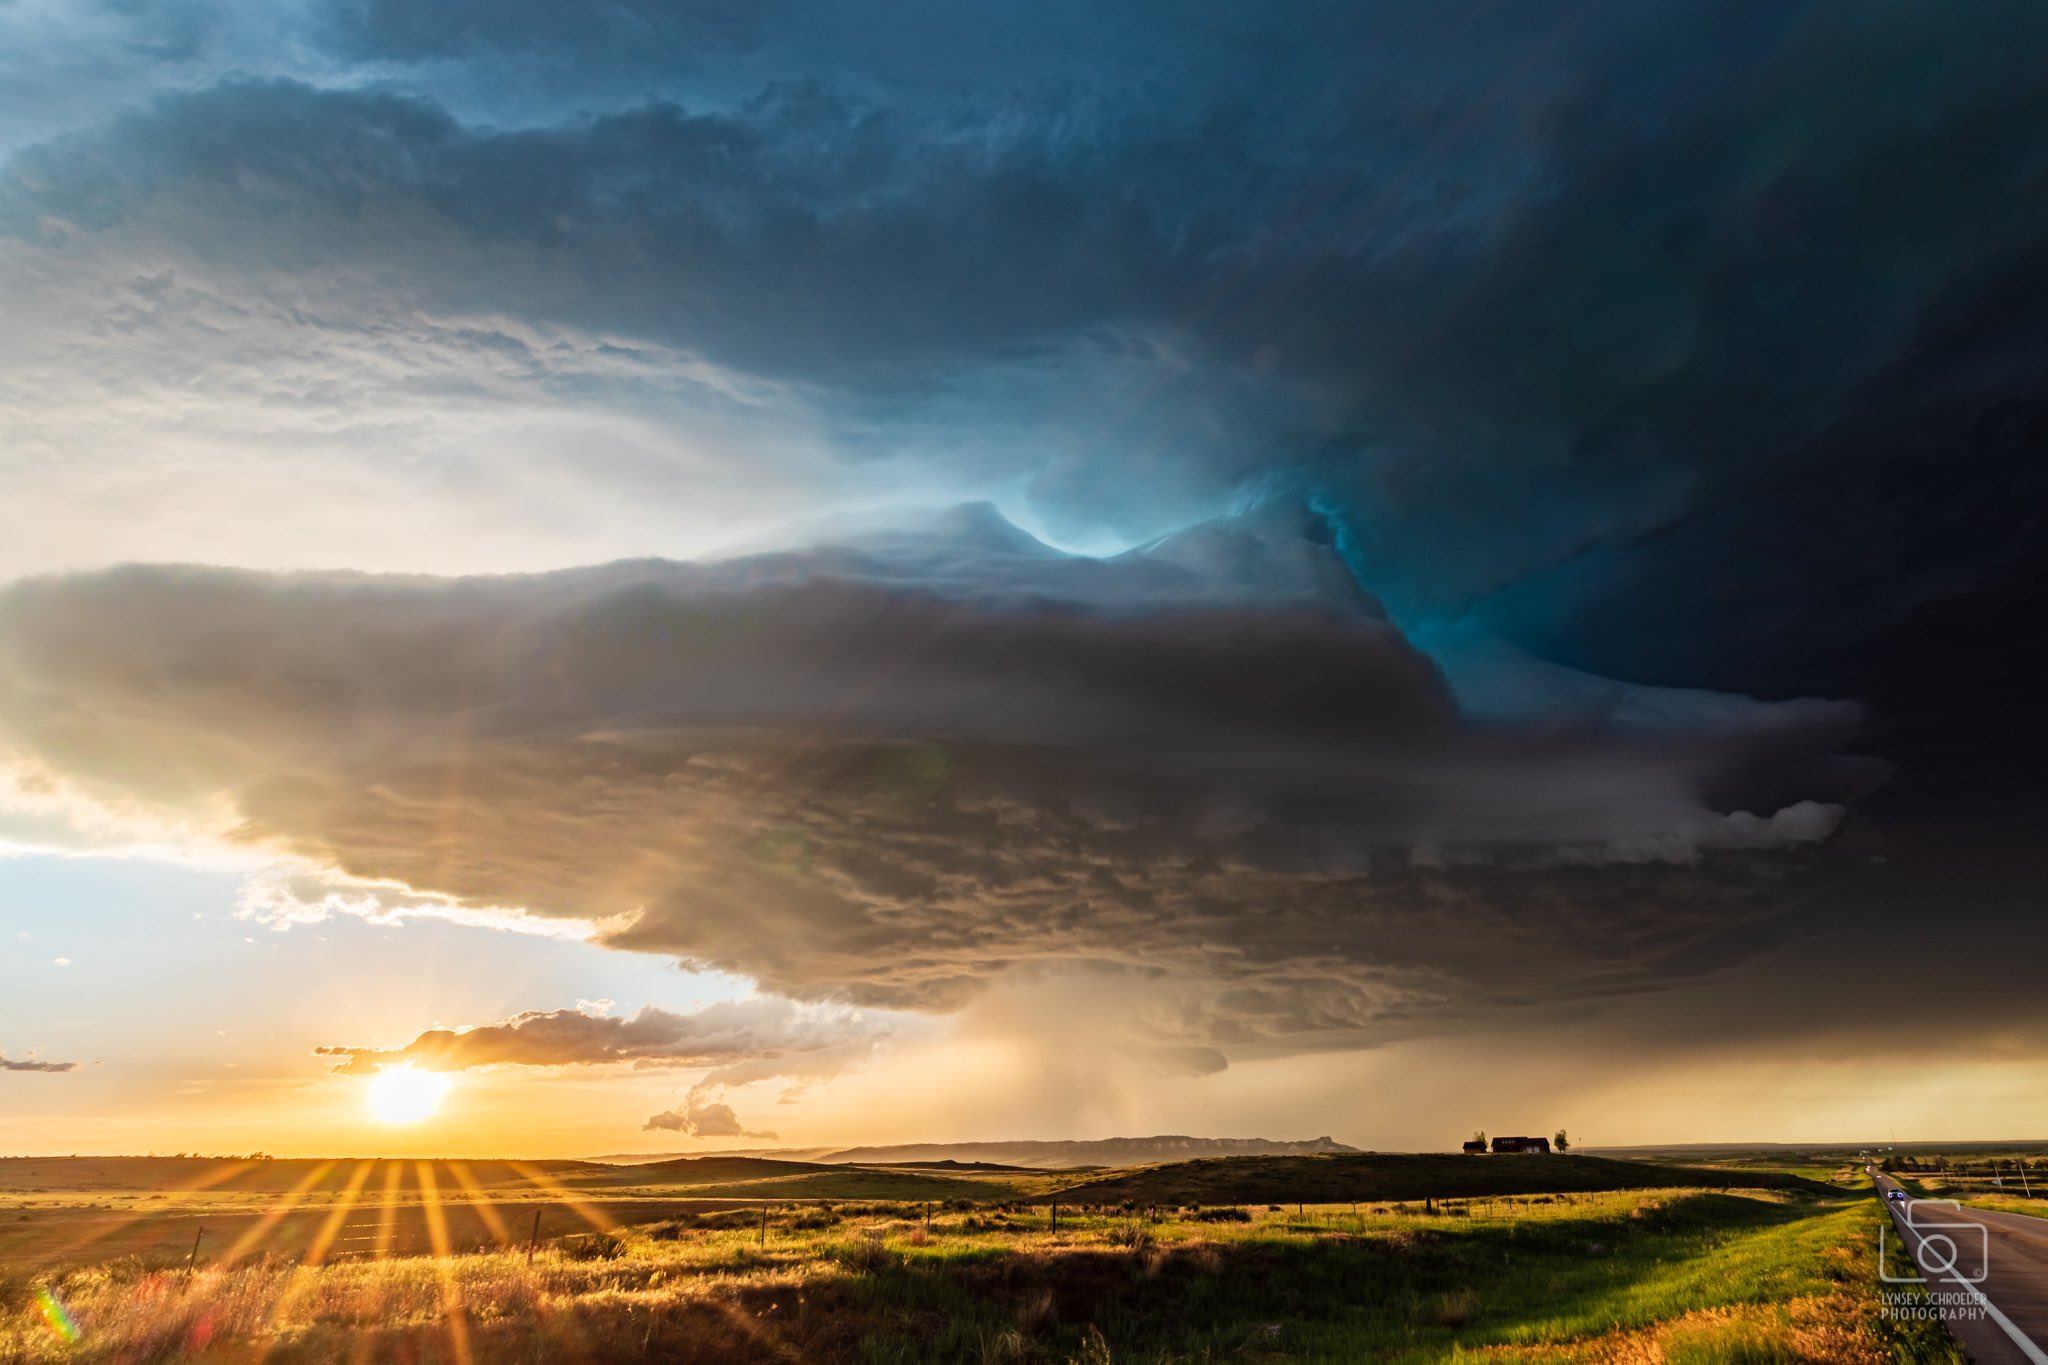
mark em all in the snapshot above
pixel 62 1212
pixel 2036 1207
pixel 1675 1274
pixel 1381 1177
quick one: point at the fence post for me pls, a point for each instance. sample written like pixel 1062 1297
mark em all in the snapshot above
pixel 533 1241
pixel 192 1263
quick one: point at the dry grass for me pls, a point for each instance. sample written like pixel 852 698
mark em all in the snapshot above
pixel 1674 1276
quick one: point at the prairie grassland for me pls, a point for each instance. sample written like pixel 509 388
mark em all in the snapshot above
pixel 1410 1175
pixel 1680 1276
pixel 2004 1203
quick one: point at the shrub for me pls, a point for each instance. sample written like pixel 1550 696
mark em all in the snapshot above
pixel 1456 1309
pixel 1224 1215
pixel 864 1254
pixel 590 1246
pixel 723 1219
pixel 1134 1235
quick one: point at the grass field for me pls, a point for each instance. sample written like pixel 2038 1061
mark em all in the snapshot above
pixel 1676 1273
pixel 1379 1176
pixel 2036 1207
pixel 61 1212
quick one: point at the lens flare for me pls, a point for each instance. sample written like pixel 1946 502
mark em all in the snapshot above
pixel 53 1311
pixel 399 1094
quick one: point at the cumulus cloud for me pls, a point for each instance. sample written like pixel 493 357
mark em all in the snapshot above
pixel 892 770
pixel 777 1036
pixel 703 1118
pixel 33 1063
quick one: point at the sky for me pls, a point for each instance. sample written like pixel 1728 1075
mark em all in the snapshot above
pixel 816 572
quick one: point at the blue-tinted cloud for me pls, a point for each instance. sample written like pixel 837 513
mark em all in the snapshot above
pixel 1500 288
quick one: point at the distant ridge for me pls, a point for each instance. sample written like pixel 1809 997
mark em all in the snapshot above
pixel 1046 1155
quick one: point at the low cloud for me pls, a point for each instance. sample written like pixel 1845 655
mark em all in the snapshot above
pixel 32 1063
pixel 893 770
pixel 704 1119
pixel 779 1036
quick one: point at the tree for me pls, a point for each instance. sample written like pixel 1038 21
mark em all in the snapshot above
pixel 1479 1136
pixel 1561 1142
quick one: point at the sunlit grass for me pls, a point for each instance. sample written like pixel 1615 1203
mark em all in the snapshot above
pixel 1676 1275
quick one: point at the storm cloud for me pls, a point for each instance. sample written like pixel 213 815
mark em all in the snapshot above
pixel 1500 289
pixel 893 770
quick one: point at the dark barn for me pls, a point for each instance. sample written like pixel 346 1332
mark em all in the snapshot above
pixel 1521 1144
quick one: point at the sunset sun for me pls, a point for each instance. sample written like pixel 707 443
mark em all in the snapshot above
pixel 401 1095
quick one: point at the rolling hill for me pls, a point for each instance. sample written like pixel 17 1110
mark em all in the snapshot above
pixel 1364 1177
pixel 1030 1155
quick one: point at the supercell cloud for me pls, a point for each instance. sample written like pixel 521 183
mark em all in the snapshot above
pixel 895 770
pixel 1458 513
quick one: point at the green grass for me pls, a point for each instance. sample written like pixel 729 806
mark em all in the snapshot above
pixel 2007 1203
pixel 1685 1275
pixel 1378 1177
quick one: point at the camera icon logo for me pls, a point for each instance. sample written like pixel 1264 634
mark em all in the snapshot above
pixel 1943 1249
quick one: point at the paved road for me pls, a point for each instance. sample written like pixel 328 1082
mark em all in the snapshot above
pixel 1995 1298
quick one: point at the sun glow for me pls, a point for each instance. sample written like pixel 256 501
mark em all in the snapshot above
pixel 399 1094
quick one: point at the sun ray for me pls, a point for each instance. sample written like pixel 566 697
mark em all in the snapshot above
pixel 582 1208
pixel 387 1225
pixel 199 1186
pixel 308 1271
pixel 749 1328
pixel 486 1211
pixel 387 1217
pixel 454 1317
pixel 263 1226
pixel 331 1229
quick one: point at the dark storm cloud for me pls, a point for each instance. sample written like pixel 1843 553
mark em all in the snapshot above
pixel 1501 287
pixel 721 1034
pixel 675 34
pixel 897 770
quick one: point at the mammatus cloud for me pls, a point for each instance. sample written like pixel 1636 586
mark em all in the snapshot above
pixel 778 1035
pixel 32 1063
pixel 893 770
